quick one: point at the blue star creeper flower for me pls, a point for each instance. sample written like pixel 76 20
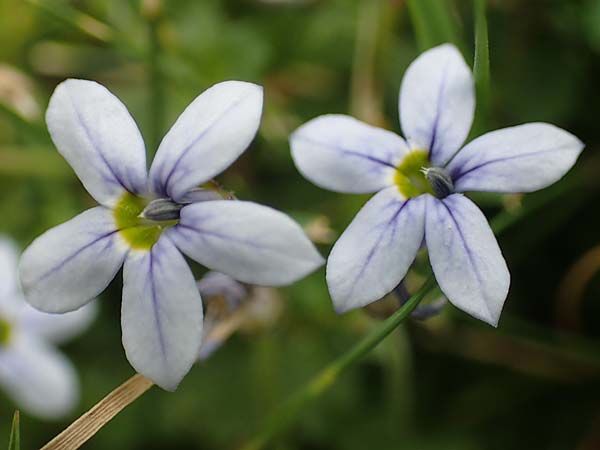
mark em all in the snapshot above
pixel 420 183
pixel 147 220
pixel 38 378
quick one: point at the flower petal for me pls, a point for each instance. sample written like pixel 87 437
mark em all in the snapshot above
pixel 437 103
pixel 466 259
pixel 221 286
pixel 38 378
pixel 211 134
pixel 9 258
pixel 376 250
pixel 524 158
pixel 96 134
pixel 249 242
pixel 57 328
pixel 342 154
pixel 161 315
pixel 70 264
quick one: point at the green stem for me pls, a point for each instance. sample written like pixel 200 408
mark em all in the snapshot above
pixel 155 86
pixel 433 22
pixel 287 414
pixel 481 65
pixel 14 442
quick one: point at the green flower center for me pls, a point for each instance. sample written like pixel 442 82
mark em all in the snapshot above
pixel 5 329
pixel 138 232
pixel 409 176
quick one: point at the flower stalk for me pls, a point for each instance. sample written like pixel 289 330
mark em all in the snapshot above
pixel 80 431
pixel 152 10
pixel 289 411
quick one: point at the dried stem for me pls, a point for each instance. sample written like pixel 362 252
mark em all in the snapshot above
pixel 80 431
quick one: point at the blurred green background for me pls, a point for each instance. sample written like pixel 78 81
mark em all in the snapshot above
pixel 447 383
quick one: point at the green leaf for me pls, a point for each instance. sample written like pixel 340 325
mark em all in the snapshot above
pixel 481 65
pixel 434 23
pixel 14 442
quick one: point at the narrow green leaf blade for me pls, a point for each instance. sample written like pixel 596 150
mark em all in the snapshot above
pixel 14 442
pixel 434 23
pixel 481 65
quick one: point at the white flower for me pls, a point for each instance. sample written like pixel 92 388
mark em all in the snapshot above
pixel 419 184
pixel 39 378
pixel 147 220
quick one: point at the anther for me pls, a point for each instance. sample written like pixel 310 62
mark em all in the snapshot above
pixel 161 210
pixel 439 180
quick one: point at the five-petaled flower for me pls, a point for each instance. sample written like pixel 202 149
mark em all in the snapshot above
pixel 419 184
pixel 148 219
pixel 33 373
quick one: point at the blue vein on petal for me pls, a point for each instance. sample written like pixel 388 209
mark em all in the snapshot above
pixel 96 148
pixel 156 306
pixel 74 254
pixel 503 159
pixel 467 250
pixel 346 152
pixel 164 189
pixel 391 221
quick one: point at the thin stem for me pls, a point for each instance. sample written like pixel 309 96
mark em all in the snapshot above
pixel 286 415
pixel 433 22
pixel 153 10
pixel 80 431
pixel 481 64
pixel 14 442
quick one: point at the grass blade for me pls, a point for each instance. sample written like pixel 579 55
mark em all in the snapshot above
pixel 481 64
pixel 14 442
pixel 434 23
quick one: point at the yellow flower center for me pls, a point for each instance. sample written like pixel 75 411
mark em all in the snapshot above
pixel 409 177
pixel 137 232
pixel 5 329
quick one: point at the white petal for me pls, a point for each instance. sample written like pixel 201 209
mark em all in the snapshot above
pixel 96 134
pixel 161 314
pixel 524 158
pixel 376 250
pixel 9 285
pixel 437 102
pixel 211 134
pixel 70 264
pixel 57 328
pixel 249 242
pixel 39 379
pixel 9 258
pixel 342 154
pixel 466 259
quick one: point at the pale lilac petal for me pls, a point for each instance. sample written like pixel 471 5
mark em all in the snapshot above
pixel 342 154
pixel 437 103
pixel 249 242
pixel 524 158
pixel 161 314
pixel 10 295
pixel 376 250
pixel 39 379
pixel 211 134
pixel 70 264
pixel 96 134
pixel 57 328
pixel 217 284
pixel 467 262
